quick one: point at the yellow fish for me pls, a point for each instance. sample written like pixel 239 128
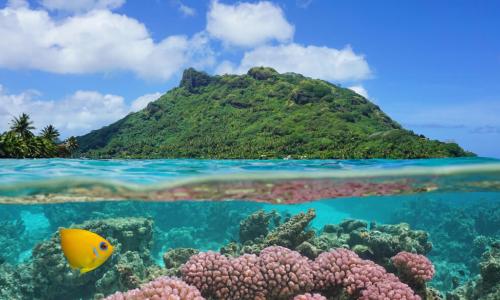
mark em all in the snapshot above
pixel 83 249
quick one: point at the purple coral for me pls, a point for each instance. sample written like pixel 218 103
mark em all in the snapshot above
pixel 286 272
pixel 388 288
pixel 162 288
pixel 281 273
pixel 359 277
pixel 414 267
pixel 210 272
pixel 309 297
pixel 247 280
pixel 277 273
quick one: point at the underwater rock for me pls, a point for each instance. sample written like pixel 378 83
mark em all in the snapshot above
pixel 385 241
pixel 15 282
pixel 290 234
pixel 126 268
pixel 351 225
pixel 379 243
pixel 487 285
pixel 257 225
pixel 12 239
pixel 293 232
pixel 175 258
pixel 160 288
pixel 454 227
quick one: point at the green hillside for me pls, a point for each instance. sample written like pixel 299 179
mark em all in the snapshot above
pixel 260 114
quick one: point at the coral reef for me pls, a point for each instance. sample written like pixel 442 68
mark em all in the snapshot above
pixel 413 269
pixel 160 288
pixel 12 239
pixel 281 273
pixel 290 234
pixel 130 264
pixel 373 241
pixel 464 227
pixel 308 296
pixel 257 225
pixel 487 285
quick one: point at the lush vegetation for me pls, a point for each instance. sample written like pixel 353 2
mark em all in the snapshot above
pixel 21 142
pixel 260 114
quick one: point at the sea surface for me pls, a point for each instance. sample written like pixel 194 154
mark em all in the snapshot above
pixel 150 207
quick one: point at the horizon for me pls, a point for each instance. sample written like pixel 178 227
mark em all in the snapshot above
pixel 437 77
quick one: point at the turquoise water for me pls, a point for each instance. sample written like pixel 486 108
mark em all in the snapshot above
pixel 149 207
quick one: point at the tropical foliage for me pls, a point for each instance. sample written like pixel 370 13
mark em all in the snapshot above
pixel 21 142
pixel 260 114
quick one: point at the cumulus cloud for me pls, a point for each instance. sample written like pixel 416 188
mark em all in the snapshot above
pixel 76 114
pixel 359 89
pixel 76 6
pixel 97 41
pixel 143 101
pixel 248 24
pixel 317 62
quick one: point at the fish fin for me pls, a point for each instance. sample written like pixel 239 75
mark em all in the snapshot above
pixel 86 270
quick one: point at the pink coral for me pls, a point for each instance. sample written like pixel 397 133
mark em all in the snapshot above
pixel 359 277
pixel 388 288
pixel 309 297
pixel 331 268
pixel 247 280
pixel 210 272
pixel 414 267
pixel 277 273
pixel 281 273
pixel 162 288
pixel 286 272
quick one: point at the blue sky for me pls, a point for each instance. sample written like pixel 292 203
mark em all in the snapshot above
pixel 434 66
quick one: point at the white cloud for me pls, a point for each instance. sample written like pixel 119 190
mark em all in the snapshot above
pixel 81 5
pixel 143 101
pixel 317 62
pixel 248 24
pixel 359 89
pixel 76 114
pixel 97 41
pixel 186 10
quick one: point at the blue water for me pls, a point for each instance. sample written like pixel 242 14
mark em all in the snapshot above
pixel 461 212
pixel 154 171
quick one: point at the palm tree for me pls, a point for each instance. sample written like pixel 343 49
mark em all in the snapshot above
pixel 50 133
pixel 71 144
pixel 22 126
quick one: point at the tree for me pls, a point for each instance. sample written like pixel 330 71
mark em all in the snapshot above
pixel 22 126
pixel 71 144
pixel 50 133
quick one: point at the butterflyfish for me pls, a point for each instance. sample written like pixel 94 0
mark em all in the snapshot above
pixel 83 249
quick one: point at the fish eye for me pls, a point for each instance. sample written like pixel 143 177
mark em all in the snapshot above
pixel 103 246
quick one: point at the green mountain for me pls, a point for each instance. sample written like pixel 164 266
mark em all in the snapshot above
pixel 260 114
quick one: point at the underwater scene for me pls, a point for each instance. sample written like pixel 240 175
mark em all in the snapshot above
pixel 251 229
